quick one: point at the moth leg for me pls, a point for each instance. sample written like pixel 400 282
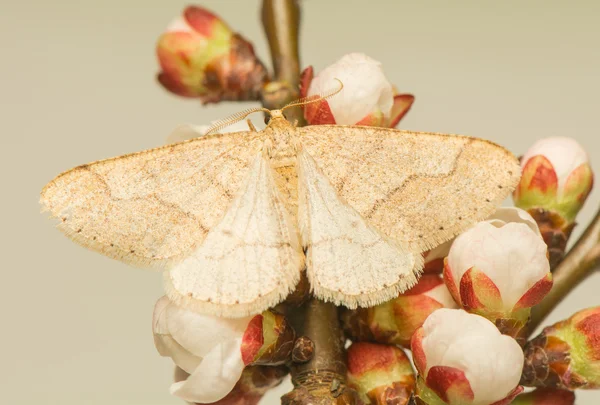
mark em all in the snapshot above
pixel 251 125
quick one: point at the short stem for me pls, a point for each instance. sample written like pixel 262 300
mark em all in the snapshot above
pixel 577 265
pixel 281 21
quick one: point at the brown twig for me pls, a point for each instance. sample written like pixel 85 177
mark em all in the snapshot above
pixel 319 378
pixel 281 21
pixel 577 265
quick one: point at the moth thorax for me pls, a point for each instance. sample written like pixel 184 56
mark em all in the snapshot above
pixel 282 146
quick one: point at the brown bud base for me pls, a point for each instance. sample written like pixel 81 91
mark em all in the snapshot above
pixel 238 76
pixel 555 231
pixel 547 363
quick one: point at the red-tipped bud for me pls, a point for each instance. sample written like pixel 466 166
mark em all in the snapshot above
pixel 367 98
pixel 463 359
pixel 201 57
pixel 268 340
pixel 566 354
pixel 555 183
pixel 499 269
pixel 381 374
pixel 214 351
pixel 395 321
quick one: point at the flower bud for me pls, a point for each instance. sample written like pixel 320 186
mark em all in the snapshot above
pixel 463 359
pixel 499 269
pixel 556 179
pixel 546 396
pixel 268 340
pixel 214 351
pixel 367 98
pixel 381 374
pixel 201 57
pixel 567 354
pixel 395 321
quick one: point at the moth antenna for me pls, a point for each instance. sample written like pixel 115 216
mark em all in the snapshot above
pixel 232 119
pixel 315 97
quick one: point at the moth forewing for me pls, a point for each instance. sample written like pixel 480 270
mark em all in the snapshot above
pixel 250 261
pixel 152 208
pixel 417 188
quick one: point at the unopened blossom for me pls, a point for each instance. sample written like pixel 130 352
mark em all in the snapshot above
pixel 252 385
pixel 200 56
pixel 214 351
pixel 367 97
pixel 434 258
pixel 381 374
pixel 395 321
pixel 499 269
pixel 556 180
pixel 566 354
pixel 546 396
pixel 463 359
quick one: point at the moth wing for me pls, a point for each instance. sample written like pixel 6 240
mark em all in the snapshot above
pixel 419 189
pixel 349 262
pixel 152 208
pixel 250 261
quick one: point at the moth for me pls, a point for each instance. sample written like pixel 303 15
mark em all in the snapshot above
pixel 235 218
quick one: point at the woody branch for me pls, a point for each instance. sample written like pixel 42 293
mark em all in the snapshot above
pixel 321 379
pixel 578 264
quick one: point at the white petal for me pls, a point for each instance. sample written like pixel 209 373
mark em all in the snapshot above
pixel 168 347
pixel 491 362
pixel 442 295
pixel 445 327
pixel 564 153
pixel 366 89
pixel 201 333
pixel 513 257
pixel 216 375
pixel 505 215
pixel 159 317
pixel 164 342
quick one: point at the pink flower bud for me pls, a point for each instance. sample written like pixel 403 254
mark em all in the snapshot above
pixel 214 351
pixel 201 57
pixel 463 359
pixel 566 354
pixel 381 374
pixel 368 98
pixel 395 321
pixel 499 269
pixel 556 177
pixel 546 396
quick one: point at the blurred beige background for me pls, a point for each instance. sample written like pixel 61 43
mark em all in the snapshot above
pixel 77 84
